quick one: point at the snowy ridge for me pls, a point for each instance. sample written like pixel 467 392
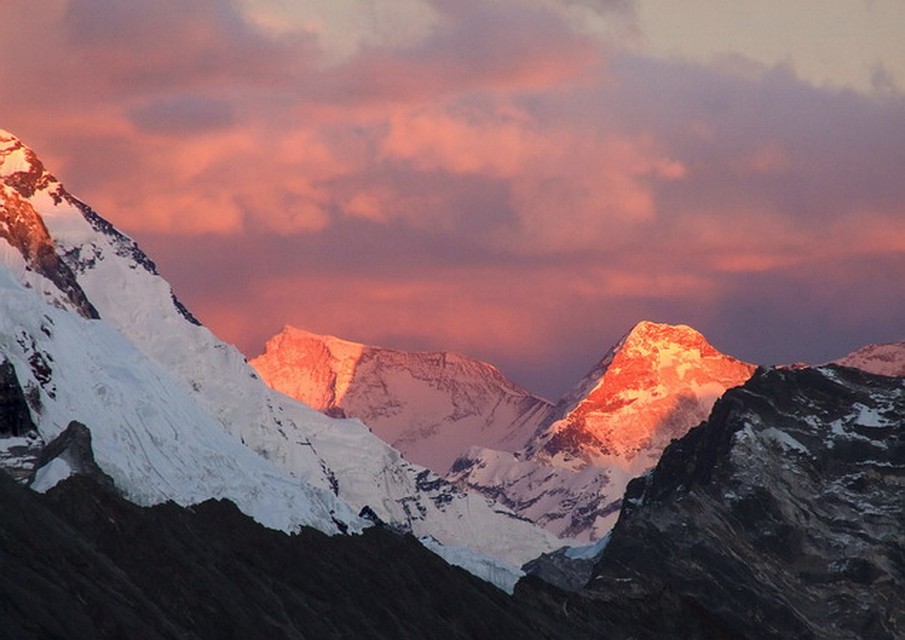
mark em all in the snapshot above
pixel 431 406
pixel 338 458
pixel 881 359
pixel 652 387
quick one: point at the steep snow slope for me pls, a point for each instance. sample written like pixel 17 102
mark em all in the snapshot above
pixel 340 456
pixel 654 385
pixel 149 434
pixel 882 359
pixel 430 406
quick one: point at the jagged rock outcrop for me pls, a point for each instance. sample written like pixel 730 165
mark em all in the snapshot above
pixel 432 406
pixel 652 387
pixel 68 454
pixel 20 442
pixel 780 517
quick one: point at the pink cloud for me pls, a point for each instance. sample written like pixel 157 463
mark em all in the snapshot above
pixel 503 181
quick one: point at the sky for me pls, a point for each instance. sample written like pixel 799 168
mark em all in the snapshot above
pixel 517 180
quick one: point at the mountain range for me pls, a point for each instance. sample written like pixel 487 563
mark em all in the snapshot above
pixel 431 406
pixel 171 493
pixel 563 466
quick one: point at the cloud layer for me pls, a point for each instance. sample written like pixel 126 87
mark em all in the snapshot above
pixel 490 177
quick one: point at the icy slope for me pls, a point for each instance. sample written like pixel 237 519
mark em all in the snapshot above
pixel 652 387
pixel 430 406
pixel 340 456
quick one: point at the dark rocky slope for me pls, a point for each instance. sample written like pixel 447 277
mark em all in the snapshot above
pixel 80 562
pixel 782 516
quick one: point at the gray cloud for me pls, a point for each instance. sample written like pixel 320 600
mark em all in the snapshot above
pixel 183 114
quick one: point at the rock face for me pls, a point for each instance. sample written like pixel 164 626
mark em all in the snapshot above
pixel 68 454
pixel 20 442
pixel 430 406
pixel 15 417
pixel 882 359
pixel 780 517
pixel 652 387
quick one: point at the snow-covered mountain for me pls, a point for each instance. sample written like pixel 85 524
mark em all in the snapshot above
pixel 170 406
pixel 431 406
pixel 149 433
pixel 652 387
pixel 882 359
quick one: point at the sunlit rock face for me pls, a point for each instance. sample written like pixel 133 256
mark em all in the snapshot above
pixel 316 370
pixel 432 406
pixel 658 382
pixel 22 175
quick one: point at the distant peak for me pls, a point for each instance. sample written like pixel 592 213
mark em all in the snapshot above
pixel 648 335
pixel 885 359
pixel 649 353
pixel 292 334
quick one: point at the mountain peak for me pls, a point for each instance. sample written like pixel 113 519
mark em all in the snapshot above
pixel 20 167
pixel 294 337
pixel 21 225
pixel 648 332
pixel 309 367
pixel 655 384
